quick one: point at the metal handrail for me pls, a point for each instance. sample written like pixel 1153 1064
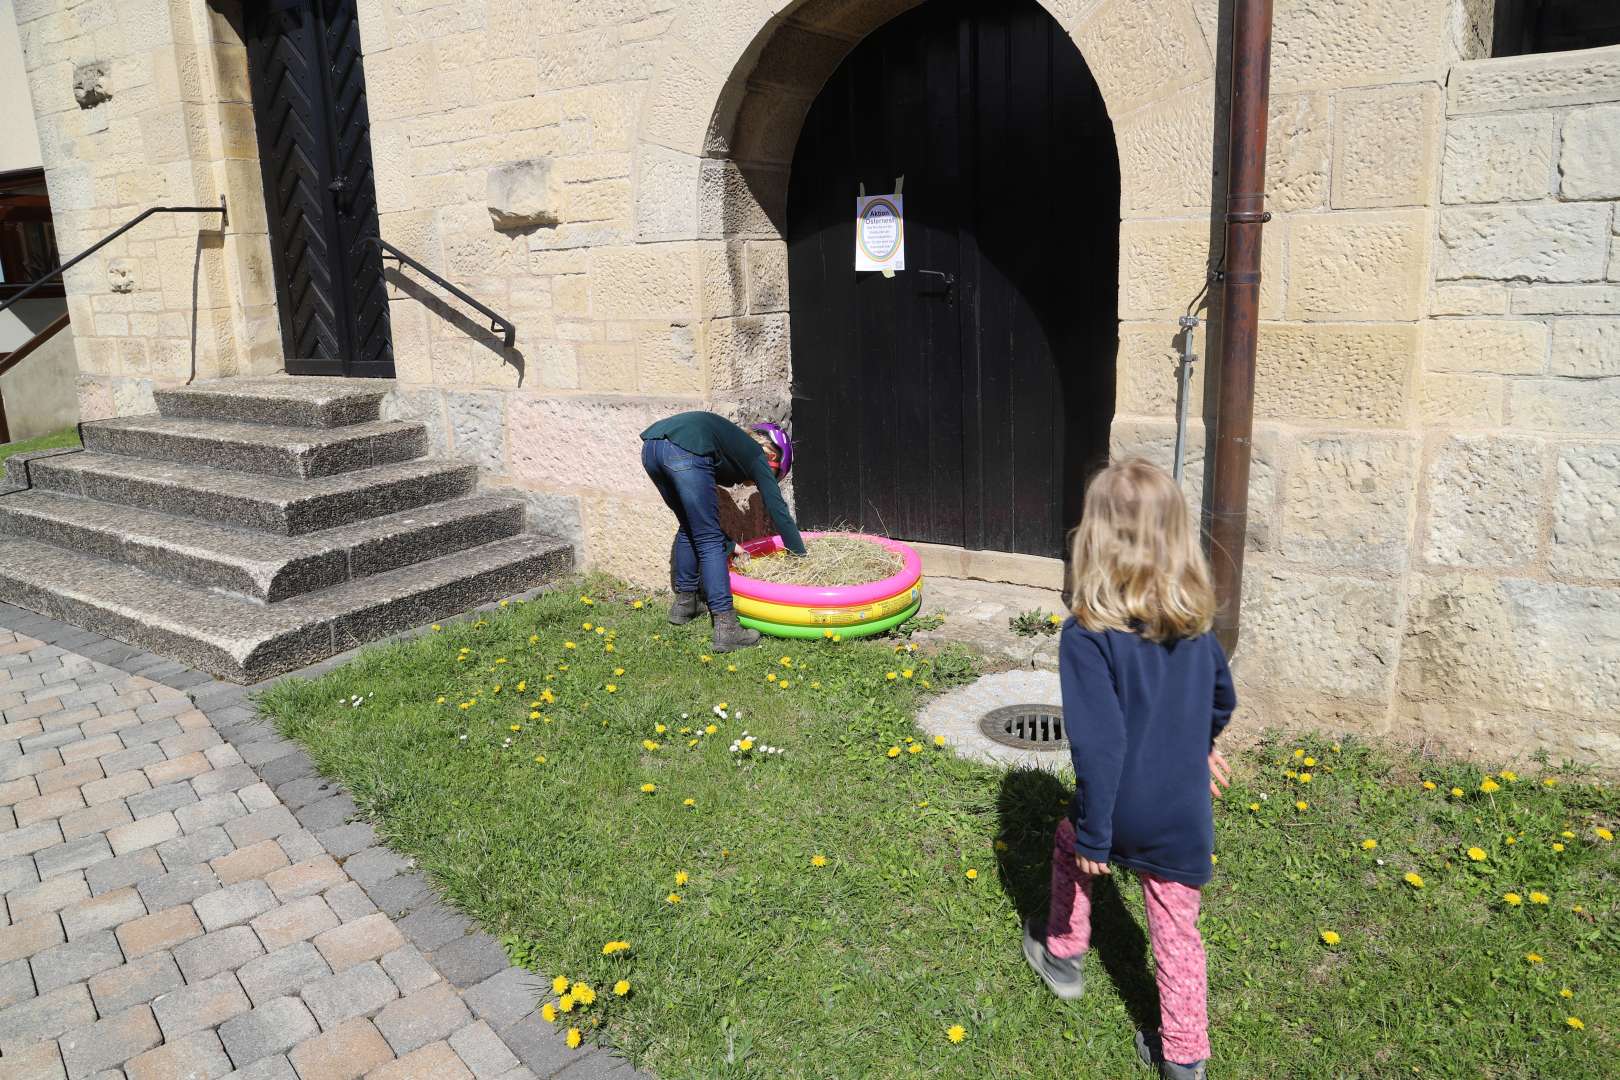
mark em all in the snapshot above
pixel 497 323
pixel 115 234
pixel 21 353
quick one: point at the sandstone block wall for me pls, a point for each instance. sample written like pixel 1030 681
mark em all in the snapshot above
pixel 1434 535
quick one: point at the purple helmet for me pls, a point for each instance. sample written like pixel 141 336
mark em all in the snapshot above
pixel 783 444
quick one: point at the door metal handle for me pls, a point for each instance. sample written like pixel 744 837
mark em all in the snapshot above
pixel 947 282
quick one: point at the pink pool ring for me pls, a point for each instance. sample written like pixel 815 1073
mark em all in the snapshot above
pixel 829 595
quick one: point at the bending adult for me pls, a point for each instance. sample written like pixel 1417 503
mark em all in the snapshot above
pixel 689 456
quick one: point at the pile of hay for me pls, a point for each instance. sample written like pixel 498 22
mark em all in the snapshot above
pixel 828 560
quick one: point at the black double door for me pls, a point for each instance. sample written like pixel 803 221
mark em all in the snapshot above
pixel 965 400
pixel 309 106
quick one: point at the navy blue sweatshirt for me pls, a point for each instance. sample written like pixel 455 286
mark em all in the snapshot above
pixel 1141 718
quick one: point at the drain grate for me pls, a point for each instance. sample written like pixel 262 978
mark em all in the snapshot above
pixel 1026 727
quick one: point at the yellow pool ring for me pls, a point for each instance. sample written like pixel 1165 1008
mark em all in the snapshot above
pixel 795 615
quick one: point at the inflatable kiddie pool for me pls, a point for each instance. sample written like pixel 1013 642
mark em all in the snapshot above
pixel 812 611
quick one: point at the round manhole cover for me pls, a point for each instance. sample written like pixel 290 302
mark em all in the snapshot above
pixel 1026 727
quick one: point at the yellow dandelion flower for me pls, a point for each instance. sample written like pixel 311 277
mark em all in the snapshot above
pixel 1511 840
pixel 682 877
pixel 972 875
pixel 573 1038
pixel 818 860
pixel 608 647
pixel 1304 777
pixel 466 704
pixel 1369 844
pixel 1575 1022
pixel 648 789
pixel 689 802
pixel 939 740
pixel 1456 793
pixel 612 688
pixel 1298 753
pixel 1334 748
pixel 1551 781
pixel 1566 993
pixel 1604 834
pixel 1509 775
pixel 1534 958
pixel 914 748
pixel 690 743
pixel 1476 854
pixel 1254 806
pixel 956 1033
pixel 786 661
pixel 548 1013
pixel 1302 805
pixel 771 677
pixel 566 1003
pixel 583 994
pixel 534 639
pixel 618 671
pixel 516 727
pixel 649 745
pixel 601 629
pixel 637 604
pixel 907 673
pixel 500 660
pixel 705 658
pixel 1539 898
pixel 783 685
pixel 1330 937
pixel 746 744
pixel 711 729
pixel 673 898
pixel 441 699
pixel 1567 835
pixel 1578 909
pixel 1558 845
pixel 891 676
pixel 587 601
pixel 622 987
pixel 559 985
pixel 569 645
pixel 894 751
pixel 815 685
pixel 659 729
pixel 1414 879
pixel 1488 785
pixel 1310 763
pixel 615 947
pixel 731 667
pixel 1428 785
pixel 1512 899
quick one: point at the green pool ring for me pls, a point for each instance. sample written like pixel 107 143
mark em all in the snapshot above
pixel 859 630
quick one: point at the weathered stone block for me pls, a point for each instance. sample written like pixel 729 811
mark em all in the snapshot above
pixel 1460 400
pixel 1509 641
pixel 1565 300
pixel 1163 265
pixel 666 360
pixel 741 200
pixel 478 429
pixel 1297 148
pixel 1586 348
pixel 1358 266
pixel 1498 158
pixel 607 365
pixel 1385 148
pixel 1535 82
pixel 666 194
pixel 683 99
pixel 1486 495
pixel 748 350
pixel 1497 346
pixel 1306 631
pixel 646 282
pixel 1349 501
pixel 1586 512
pixel 1140 51
pixel 1165 153
pixel 1336 373
pixel 1565 404
pixel 1317 45
pixel 579 442
pixel 1472 298
pixel 1157 441
pixel 630 538
pixel 1146 369
pixel 1530 243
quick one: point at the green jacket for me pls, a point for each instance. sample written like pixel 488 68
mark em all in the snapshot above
pixel 737 459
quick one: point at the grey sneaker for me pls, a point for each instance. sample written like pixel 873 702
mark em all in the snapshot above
pixel 1065 975
pixel 686 607
pixel 1150 1050
pixel 731 635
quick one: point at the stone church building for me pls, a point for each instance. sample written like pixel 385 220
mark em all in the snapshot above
pixel 647 206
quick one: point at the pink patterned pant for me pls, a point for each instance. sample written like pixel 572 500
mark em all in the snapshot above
pixel 1178 951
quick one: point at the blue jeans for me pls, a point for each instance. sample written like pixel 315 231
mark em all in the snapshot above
pixel 698 558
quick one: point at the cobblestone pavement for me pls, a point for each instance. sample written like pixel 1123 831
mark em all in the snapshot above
pixel 185 897
pixel 976 614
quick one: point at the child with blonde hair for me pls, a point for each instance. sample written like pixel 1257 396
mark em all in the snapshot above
pixel 1146 690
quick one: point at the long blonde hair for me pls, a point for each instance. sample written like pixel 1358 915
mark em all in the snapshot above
pixel 1134 560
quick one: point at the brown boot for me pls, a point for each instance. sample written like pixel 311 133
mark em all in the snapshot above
pixel 731 635
pixel 686 607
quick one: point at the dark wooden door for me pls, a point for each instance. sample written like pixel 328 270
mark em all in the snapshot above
pixel 309 106
pixel 965 400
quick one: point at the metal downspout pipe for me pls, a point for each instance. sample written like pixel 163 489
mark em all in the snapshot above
pixel 1240 308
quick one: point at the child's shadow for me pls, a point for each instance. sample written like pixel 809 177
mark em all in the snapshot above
pixel 1031 804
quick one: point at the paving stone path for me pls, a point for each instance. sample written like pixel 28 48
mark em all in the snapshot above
pixel 186 897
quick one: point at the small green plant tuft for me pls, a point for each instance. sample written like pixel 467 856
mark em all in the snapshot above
pixel 1035 623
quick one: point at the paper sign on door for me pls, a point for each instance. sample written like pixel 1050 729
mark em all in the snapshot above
pixel 880 232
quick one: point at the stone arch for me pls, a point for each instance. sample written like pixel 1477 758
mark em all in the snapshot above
pixel 720 121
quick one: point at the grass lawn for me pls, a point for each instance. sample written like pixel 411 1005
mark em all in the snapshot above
pixel 833 910
pixel 55 440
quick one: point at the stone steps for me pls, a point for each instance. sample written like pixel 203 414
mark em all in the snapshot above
pixel 292 401
pixel 262 566
pixel 257 525
pixel 289 507
pixel 295 453
pixel 237 639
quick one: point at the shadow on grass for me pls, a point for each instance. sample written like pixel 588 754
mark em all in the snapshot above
pixel 1030 805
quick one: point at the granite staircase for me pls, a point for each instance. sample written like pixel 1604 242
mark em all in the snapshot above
pixel 254 526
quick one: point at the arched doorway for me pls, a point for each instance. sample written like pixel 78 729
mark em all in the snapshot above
pixel 965 400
